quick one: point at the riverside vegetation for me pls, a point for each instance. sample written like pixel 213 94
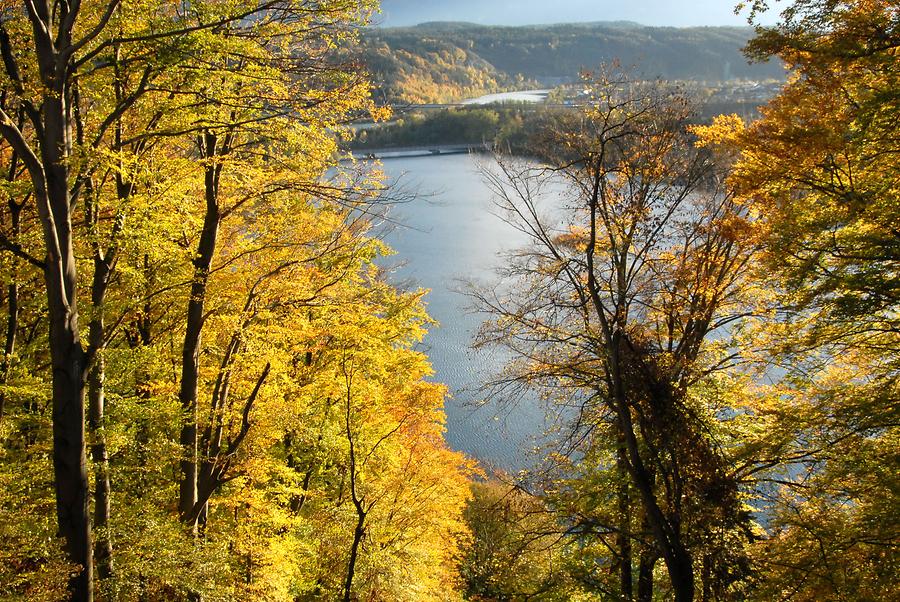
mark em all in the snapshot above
pixel 210 391
pixel 512 127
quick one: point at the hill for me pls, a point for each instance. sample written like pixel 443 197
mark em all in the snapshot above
pixel 438 62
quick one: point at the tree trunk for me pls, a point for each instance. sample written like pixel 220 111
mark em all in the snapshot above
pixel 358 534
pixel 649 556
pixel 97 422
pixel 706 579
pixel 67 356
pixel 12 290
pixel 12 323
pixel 675 555
pixel 677 558
pixel 623 537
pixel 69 462
pixel 190 355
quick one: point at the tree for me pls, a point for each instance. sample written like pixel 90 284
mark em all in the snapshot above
pixel 819 172
pixel 59 120
pixel 516 551
pixel 618 303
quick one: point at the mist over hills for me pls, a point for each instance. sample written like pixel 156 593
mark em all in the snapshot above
pixel 441 61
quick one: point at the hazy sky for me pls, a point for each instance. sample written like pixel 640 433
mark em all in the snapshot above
pixel 679 13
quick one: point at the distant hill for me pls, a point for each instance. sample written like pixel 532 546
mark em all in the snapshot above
pixel 405 13
pixel 436 62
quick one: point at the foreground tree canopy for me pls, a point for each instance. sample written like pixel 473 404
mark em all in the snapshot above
pixel 710 311
pixel 191 302
pixel 208 391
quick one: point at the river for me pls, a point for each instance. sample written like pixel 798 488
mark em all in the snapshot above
pixel 448 233
pixel 534 96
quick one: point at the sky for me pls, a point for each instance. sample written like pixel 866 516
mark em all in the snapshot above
pixel 677 13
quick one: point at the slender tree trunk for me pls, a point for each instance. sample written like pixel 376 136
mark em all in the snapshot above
pixel 706 579
pixel 647 563
pixel 12 313
pixel 190 356
pixel 645 578
pixel 623 538
pixel 103 548
pixel 358 500
pixel 358 534
pixel 12 325
pixel 140 336
pixel 68 358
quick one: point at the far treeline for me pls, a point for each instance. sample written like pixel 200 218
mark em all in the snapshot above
pixel 444 62
pixel 210 391
pixel 508 127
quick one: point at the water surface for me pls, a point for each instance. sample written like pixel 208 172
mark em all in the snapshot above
pixel 521 96
pixel 449 233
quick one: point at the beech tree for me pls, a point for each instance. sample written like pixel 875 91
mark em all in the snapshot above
pixel 820 173
pixel 178 156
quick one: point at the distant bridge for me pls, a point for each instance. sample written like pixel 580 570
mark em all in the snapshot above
pixel 419 151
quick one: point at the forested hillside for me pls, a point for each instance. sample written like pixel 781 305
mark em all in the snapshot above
pixel 438 62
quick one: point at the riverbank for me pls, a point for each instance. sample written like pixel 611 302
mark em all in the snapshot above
pixel 473 126
pixel 510 125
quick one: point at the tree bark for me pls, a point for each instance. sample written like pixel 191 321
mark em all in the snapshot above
pixel 623 538
pixel 677 558
pixel 666 533
pixel 190 355
pixel 9 347
pixel 648 557
pixel 358 500
pixel 69 462
pixel 68 358
pixel 103 549
pixel 645 574
pixel 706 579
pixel 12 293
pixel 358 532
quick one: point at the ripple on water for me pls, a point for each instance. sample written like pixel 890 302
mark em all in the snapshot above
pixel 452 234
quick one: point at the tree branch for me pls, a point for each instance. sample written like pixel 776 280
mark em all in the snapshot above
pixel 17 250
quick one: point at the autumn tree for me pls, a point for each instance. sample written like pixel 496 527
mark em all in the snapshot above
pixel 178 156
pixel 819 171
pixel 517 549
pixel 633 274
